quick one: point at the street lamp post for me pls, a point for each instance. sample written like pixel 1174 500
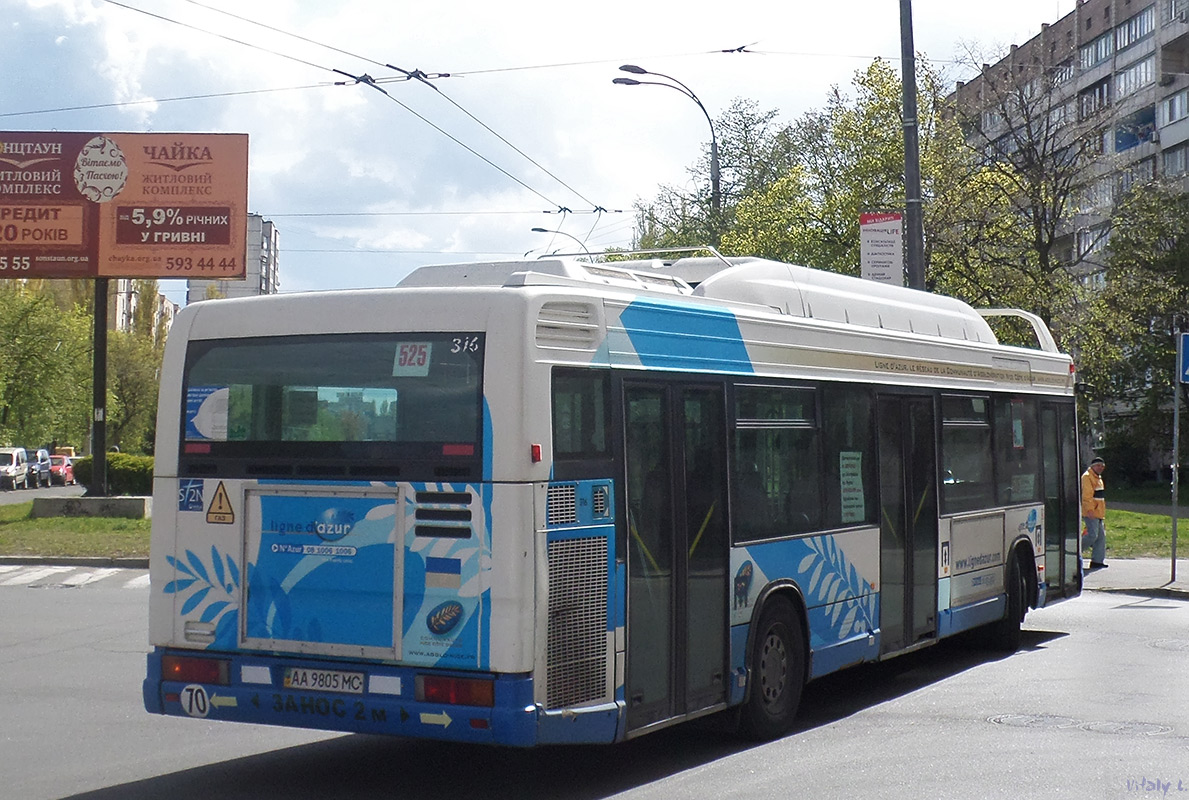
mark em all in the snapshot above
pixel 715 196
pixel 568 235
pixel 913 223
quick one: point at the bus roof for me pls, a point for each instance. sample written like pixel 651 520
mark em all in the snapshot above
pixel 788 289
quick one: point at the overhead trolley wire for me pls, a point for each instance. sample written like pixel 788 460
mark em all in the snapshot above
pixel 355 79
pixel 155 100
pixel 406 75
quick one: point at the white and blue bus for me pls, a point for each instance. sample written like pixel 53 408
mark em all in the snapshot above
pixel 558 501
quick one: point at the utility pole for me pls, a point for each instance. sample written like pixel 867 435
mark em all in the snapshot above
pixel 913 225
pixel 98 487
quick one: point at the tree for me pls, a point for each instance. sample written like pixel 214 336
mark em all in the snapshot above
pixel 1146 299
pixel 44 376
pixel 133 365
pixel 753 152
pixel 1045 147
pixel 848 158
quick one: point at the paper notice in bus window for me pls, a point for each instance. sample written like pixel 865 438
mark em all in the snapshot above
pixel 206 413
pixel 850 476
pixel 412 360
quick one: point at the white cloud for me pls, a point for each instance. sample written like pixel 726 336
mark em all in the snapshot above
pixel 351 149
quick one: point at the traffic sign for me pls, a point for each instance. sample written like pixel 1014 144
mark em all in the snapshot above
pixel 1183 356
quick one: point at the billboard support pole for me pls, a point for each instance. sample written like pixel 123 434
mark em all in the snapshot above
pixel 98 487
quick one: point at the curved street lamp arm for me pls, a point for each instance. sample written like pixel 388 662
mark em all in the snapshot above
pixel 568 235
pixel 678 86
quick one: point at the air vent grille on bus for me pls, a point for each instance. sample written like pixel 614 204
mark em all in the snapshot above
pixel 599 501
pixel 576 658
pixel 568 325
pixel 443 515
pixel 561 504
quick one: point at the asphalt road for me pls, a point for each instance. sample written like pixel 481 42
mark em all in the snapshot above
pixel 1093 706
pixel 12 496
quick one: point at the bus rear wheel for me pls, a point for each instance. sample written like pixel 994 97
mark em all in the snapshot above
pixel 777 673
pixel 1005 634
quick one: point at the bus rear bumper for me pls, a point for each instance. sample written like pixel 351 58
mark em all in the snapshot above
pixel 385 702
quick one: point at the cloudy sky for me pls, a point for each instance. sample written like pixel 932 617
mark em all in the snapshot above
pixel 520 119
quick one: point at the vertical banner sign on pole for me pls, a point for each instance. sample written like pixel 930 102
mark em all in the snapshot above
pixel 881 247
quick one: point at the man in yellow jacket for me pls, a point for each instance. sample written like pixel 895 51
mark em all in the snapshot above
pixel 1094 513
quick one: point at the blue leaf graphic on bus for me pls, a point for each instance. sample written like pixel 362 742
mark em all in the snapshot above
pixel 217 560
pixel 196 562
pixel 268 609
pixel 233 570
pixel 213 610
pixel 194 601
pixel 227 630
pixel 179 566
pixel 218 595
pixel 829 579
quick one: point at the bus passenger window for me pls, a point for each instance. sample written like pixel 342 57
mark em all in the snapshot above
pixel 1017 450
pixel 967 471
pixel 777 474
pixel 580 409
pixel 849 445
pixel 751 508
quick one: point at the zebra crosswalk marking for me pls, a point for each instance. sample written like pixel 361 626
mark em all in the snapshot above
pixel 141 581
pixel 83 578
pixel 32 575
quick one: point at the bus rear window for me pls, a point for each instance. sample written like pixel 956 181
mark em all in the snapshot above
pixel 360 388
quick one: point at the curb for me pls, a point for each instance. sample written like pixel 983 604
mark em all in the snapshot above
pixel 76 561
pixel 1165 592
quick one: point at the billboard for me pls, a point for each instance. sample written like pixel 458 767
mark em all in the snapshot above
pixel 123 205
pixel 881 247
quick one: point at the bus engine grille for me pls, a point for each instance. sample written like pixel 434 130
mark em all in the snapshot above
pixel 576 661
pixel 562 504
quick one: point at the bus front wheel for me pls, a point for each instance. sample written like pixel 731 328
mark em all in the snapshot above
pixel 777 672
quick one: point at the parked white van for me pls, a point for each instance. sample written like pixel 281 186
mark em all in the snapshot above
pixel 14 467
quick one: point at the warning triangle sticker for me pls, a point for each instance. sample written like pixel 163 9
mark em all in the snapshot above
pixel 220 511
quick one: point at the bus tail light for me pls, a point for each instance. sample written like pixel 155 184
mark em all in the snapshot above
pixel 455 691
pixel 196 670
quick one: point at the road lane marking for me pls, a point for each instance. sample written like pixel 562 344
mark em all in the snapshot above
pixel 83 578
pixel 139 582
pixel 25 578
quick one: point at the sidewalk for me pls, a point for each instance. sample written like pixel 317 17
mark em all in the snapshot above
pixel 1161 509
pixel 1149 576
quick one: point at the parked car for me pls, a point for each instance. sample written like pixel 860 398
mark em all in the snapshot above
pixel 14 467
pixel 39 466
pixel 62 470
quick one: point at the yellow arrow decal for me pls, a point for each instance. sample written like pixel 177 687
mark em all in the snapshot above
pixel 442 719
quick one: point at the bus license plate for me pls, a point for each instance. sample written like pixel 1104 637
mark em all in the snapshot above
pixel 323 680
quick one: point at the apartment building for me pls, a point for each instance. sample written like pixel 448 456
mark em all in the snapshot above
pixel 125 297
pixel 262 272
pixel 1109 80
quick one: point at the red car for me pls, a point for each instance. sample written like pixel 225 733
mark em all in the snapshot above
pixel 61 470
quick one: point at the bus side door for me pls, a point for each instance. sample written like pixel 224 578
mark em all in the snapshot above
pixel 677 549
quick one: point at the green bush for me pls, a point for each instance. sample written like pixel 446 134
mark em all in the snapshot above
pixel 1127 461
pixel 126 474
